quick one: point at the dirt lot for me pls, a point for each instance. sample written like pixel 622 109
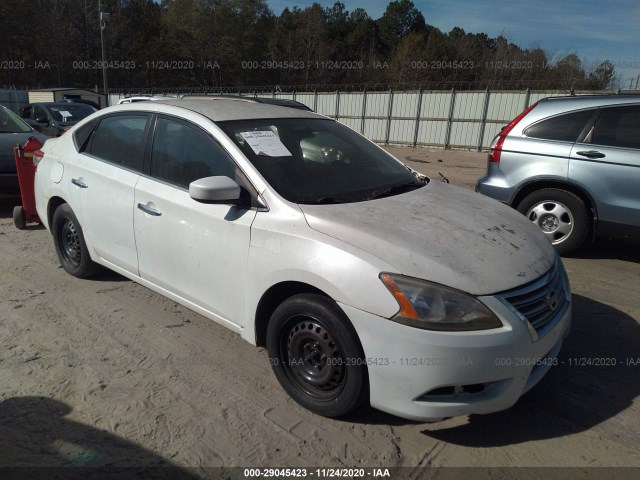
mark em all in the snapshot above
pixel 106 372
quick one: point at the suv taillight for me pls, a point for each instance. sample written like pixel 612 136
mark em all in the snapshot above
pixel 496 149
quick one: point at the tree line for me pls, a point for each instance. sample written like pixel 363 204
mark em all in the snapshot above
pixel 234 44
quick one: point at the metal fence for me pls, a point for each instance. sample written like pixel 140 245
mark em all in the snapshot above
pixel 436 118
pixel 445 119
pixel 14 99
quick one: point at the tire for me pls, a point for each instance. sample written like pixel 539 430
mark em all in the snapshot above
pixel 562 216
pixel 70 244
pixel 316 355
pixel 18 218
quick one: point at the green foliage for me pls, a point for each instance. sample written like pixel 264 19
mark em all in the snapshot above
pixel 212 44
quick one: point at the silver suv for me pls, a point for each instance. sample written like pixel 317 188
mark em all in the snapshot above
pixel 572 166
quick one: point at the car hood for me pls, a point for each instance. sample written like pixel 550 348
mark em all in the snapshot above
pixel 443 234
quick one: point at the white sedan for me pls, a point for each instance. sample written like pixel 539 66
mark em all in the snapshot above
pixel 364 280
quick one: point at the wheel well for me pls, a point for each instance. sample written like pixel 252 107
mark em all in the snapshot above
pixel 54 203
pixel 533 187
pixel 270 300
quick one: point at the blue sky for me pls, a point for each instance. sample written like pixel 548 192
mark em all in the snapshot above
pixel 595 30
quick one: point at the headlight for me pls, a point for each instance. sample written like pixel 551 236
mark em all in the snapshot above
pixel 435 307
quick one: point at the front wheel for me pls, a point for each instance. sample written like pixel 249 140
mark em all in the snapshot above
pixel 70 244
pixel 316 355
pixel 562 216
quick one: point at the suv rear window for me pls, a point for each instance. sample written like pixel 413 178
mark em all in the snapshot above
pixel 565 128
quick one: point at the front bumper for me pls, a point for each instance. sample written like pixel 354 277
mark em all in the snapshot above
pixel 427 375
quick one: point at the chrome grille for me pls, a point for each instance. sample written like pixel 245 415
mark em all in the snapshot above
pixel 541 301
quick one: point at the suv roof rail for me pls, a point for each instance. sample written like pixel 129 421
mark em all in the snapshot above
pixel 595 95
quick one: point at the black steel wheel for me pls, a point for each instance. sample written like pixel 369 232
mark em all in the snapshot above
pixel 316 355
pixel 70 244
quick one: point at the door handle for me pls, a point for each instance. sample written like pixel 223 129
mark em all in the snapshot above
pixel 150 210
pixel 592 154
pixel 79 183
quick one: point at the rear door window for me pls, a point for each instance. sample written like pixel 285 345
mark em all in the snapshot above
pixel 617 127
pixel 565 128
pixel 120 139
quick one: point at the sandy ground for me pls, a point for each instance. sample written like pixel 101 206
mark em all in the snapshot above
pixel 106 372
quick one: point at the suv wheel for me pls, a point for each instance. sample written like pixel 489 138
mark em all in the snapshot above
pixel 562 216
pixel 316 356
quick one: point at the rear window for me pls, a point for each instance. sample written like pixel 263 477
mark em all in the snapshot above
pixel 564 128
pixel 70 112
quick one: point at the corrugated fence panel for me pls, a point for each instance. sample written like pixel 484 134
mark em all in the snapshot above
pixel 327 104
pixel 405 104
pixel 375 130
pixel 505 105
pixel 464 134
pixel 350 104
pixel 468 105
pixel 432 133
pixel 435 105
pixel 377 104
pixel 401 131
pixel 490 131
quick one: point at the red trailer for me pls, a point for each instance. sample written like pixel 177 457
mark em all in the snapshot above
pixel 26 168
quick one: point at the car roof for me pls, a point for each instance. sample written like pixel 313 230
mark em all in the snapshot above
pixel 223 109
pixel 585 101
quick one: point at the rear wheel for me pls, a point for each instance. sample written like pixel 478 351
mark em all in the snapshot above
pixel 316 356
pixel 562 216
pixel 18 218
pixel 70 244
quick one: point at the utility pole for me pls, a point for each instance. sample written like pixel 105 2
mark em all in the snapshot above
pixel 104 19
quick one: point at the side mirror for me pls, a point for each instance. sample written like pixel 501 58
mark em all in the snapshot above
pixel 215 190
pixel 42 119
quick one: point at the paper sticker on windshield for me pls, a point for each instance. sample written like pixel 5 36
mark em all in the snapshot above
pixel 65 114
pixel 266 143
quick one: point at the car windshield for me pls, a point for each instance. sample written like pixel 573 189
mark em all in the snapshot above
pixel 70 112
pixel 319 161
pixel 11 123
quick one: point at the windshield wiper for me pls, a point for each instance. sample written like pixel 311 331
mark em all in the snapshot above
pixel 395 190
